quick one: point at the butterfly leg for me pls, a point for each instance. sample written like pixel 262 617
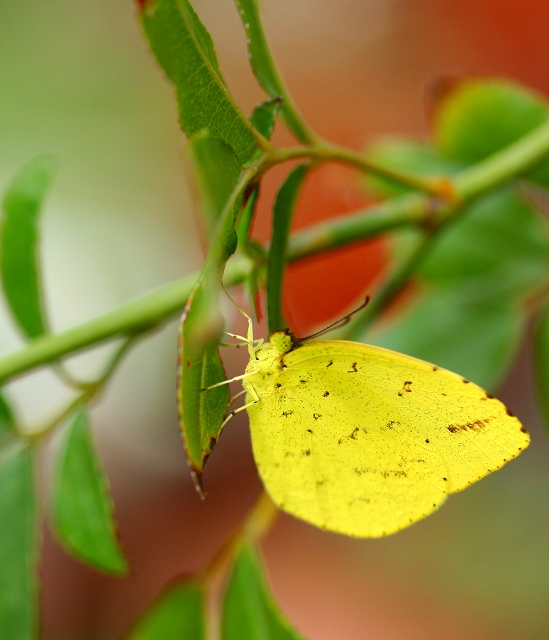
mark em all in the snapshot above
pixel 220 384
pixel 241 393
pixel 235 335
pixel 232 413
pixel 250 333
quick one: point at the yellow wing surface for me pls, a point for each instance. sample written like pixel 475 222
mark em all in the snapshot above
pixel 365 441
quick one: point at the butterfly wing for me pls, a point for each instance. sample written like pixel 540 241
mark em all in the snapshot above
pixel 364 441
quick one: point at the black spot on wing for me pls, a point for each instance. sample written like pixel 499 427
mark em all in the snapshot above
pixel 394 473
pixel 406 388
pixel 475 425
pixel 352 436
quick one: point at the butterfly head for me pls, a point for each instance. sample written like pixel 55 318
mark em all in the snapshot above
pixel 283 340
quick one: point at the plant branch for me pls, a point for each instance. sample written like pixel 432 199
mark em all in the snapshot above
pixel 404 211
pixel 156 308
pixel 325 151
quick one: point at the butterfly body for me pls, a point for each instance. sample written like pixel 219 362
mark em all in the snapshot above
pixel 364 441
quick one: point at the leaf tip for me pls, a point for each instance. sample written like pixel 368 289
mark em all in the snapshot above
pixel 198 482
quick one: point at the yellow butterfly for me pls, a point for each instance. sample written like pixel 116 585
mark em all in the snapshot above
pixel 365 441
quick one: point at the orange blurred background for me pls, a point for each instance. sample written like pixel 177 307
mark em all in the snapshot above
pixel 80 82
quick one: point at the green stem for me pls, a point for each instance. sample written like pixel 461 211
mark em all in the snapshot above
pixel 325 151
pixel 269 77
pixel 408 210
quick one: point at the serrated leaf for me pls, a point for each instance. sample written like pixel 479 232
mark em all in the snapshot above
pixel 19 244
pixel 465 330
pixel 249 610
pixel 201 409
pixel 541 360
pixel 499 237
pixel 178 614
pixel 185 50
pixel 481 116
pixel 409 156
pixel 283 211
pixel 18 544
pixel 217 170
pixel 83 512
pixel 262 63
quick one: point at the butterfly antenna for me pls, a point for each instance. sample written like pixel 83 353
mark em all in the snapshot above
pixel 250 334
pixel 338 323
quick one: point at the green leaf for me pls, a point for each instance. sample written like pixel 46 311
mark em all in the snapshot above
pixel 246 219
pixel 264 116
pixel 409 156
pixel 19 244
pixel 501 238
pixel 479 117
pixel 201 410
pixel 465 330
pixel 217 170
pixel 283 211
pixel 82 507
pixel 249 610
pixel 263 66
pixel 541 360
pixel 178 614
pixel 18 544
pixel 7 421
pixel 185 51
